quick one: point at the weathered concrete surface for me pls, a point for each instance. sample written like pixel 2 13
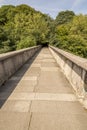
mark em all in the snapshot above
pixel 12 61
pixel 39 97
pixel 75 69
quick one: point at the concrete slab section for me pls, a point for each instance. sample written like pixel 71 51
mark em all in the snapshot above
pixel 55 97
pixel 63 97
pixel 71 108
pixel 16 106
pixel 49 69
pixel 43 55
pixel 47 64
pixel 14 121
pixel 44 107
pixel 54 89
pixel 27 83
pixel 16 95
pixel 44 121
pixel 33 78
pixel 24 89
pixel 22 96
pixel 58 107
pixel 33 71
pixel 49 60
pixel 51 81
pixel 36 65
pixel 37 61
pixel 24 78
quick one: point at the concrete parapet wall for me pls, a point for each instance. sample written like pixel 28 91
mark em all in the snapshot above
pixel 75 69
pixel 12 61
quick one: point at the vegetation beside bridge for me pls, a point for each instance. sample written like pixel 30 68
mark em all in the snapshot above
pixel 22 26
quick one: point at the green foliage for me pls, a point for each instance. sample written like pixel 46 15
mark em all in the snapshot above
pixel 27 42
pixel 72 36
pixel 22 27
pixel 64 17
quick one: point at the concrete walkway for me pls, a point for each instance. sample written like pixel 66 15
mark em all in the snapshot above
pixel 39 97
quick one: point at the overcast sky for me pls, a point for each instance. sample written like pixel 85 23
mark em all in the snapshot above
pixel 52 7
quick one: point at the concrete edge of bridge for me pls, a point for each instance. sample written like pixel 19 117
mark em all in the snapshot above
pixel 12 61
pixel 75 71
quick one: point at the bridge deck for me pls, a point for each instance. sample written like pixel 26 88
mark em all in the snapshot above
pixel 39 97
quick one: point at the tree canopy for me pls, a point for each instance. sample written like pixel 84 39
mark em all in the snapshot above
pixel 64 17
pixel 22 26
pixel 71 33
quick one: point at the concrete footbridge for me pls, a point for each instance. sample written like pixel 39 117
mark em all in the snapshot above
pixel 43 89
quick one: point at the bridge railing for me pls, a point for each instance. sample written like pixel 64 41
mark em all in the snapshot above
pixel 12 61
pixel 75 69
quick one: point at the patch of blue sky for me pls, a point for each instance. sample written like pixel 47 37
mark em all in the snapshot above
pixel 51 7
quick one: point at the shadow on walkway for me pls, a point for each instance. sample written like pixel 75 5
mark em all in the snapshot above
pixel 8 87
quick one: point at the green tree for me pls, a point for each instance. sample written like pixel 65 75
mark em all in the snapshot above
pixel 72 36
pixel 26 42
pixel 64 17
pixel 22 26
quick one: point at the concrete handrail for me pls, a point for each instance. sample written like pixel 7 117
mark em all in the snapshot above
pixel 12 61
pixel 81 62
pixel 75 69
pixel 14 53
